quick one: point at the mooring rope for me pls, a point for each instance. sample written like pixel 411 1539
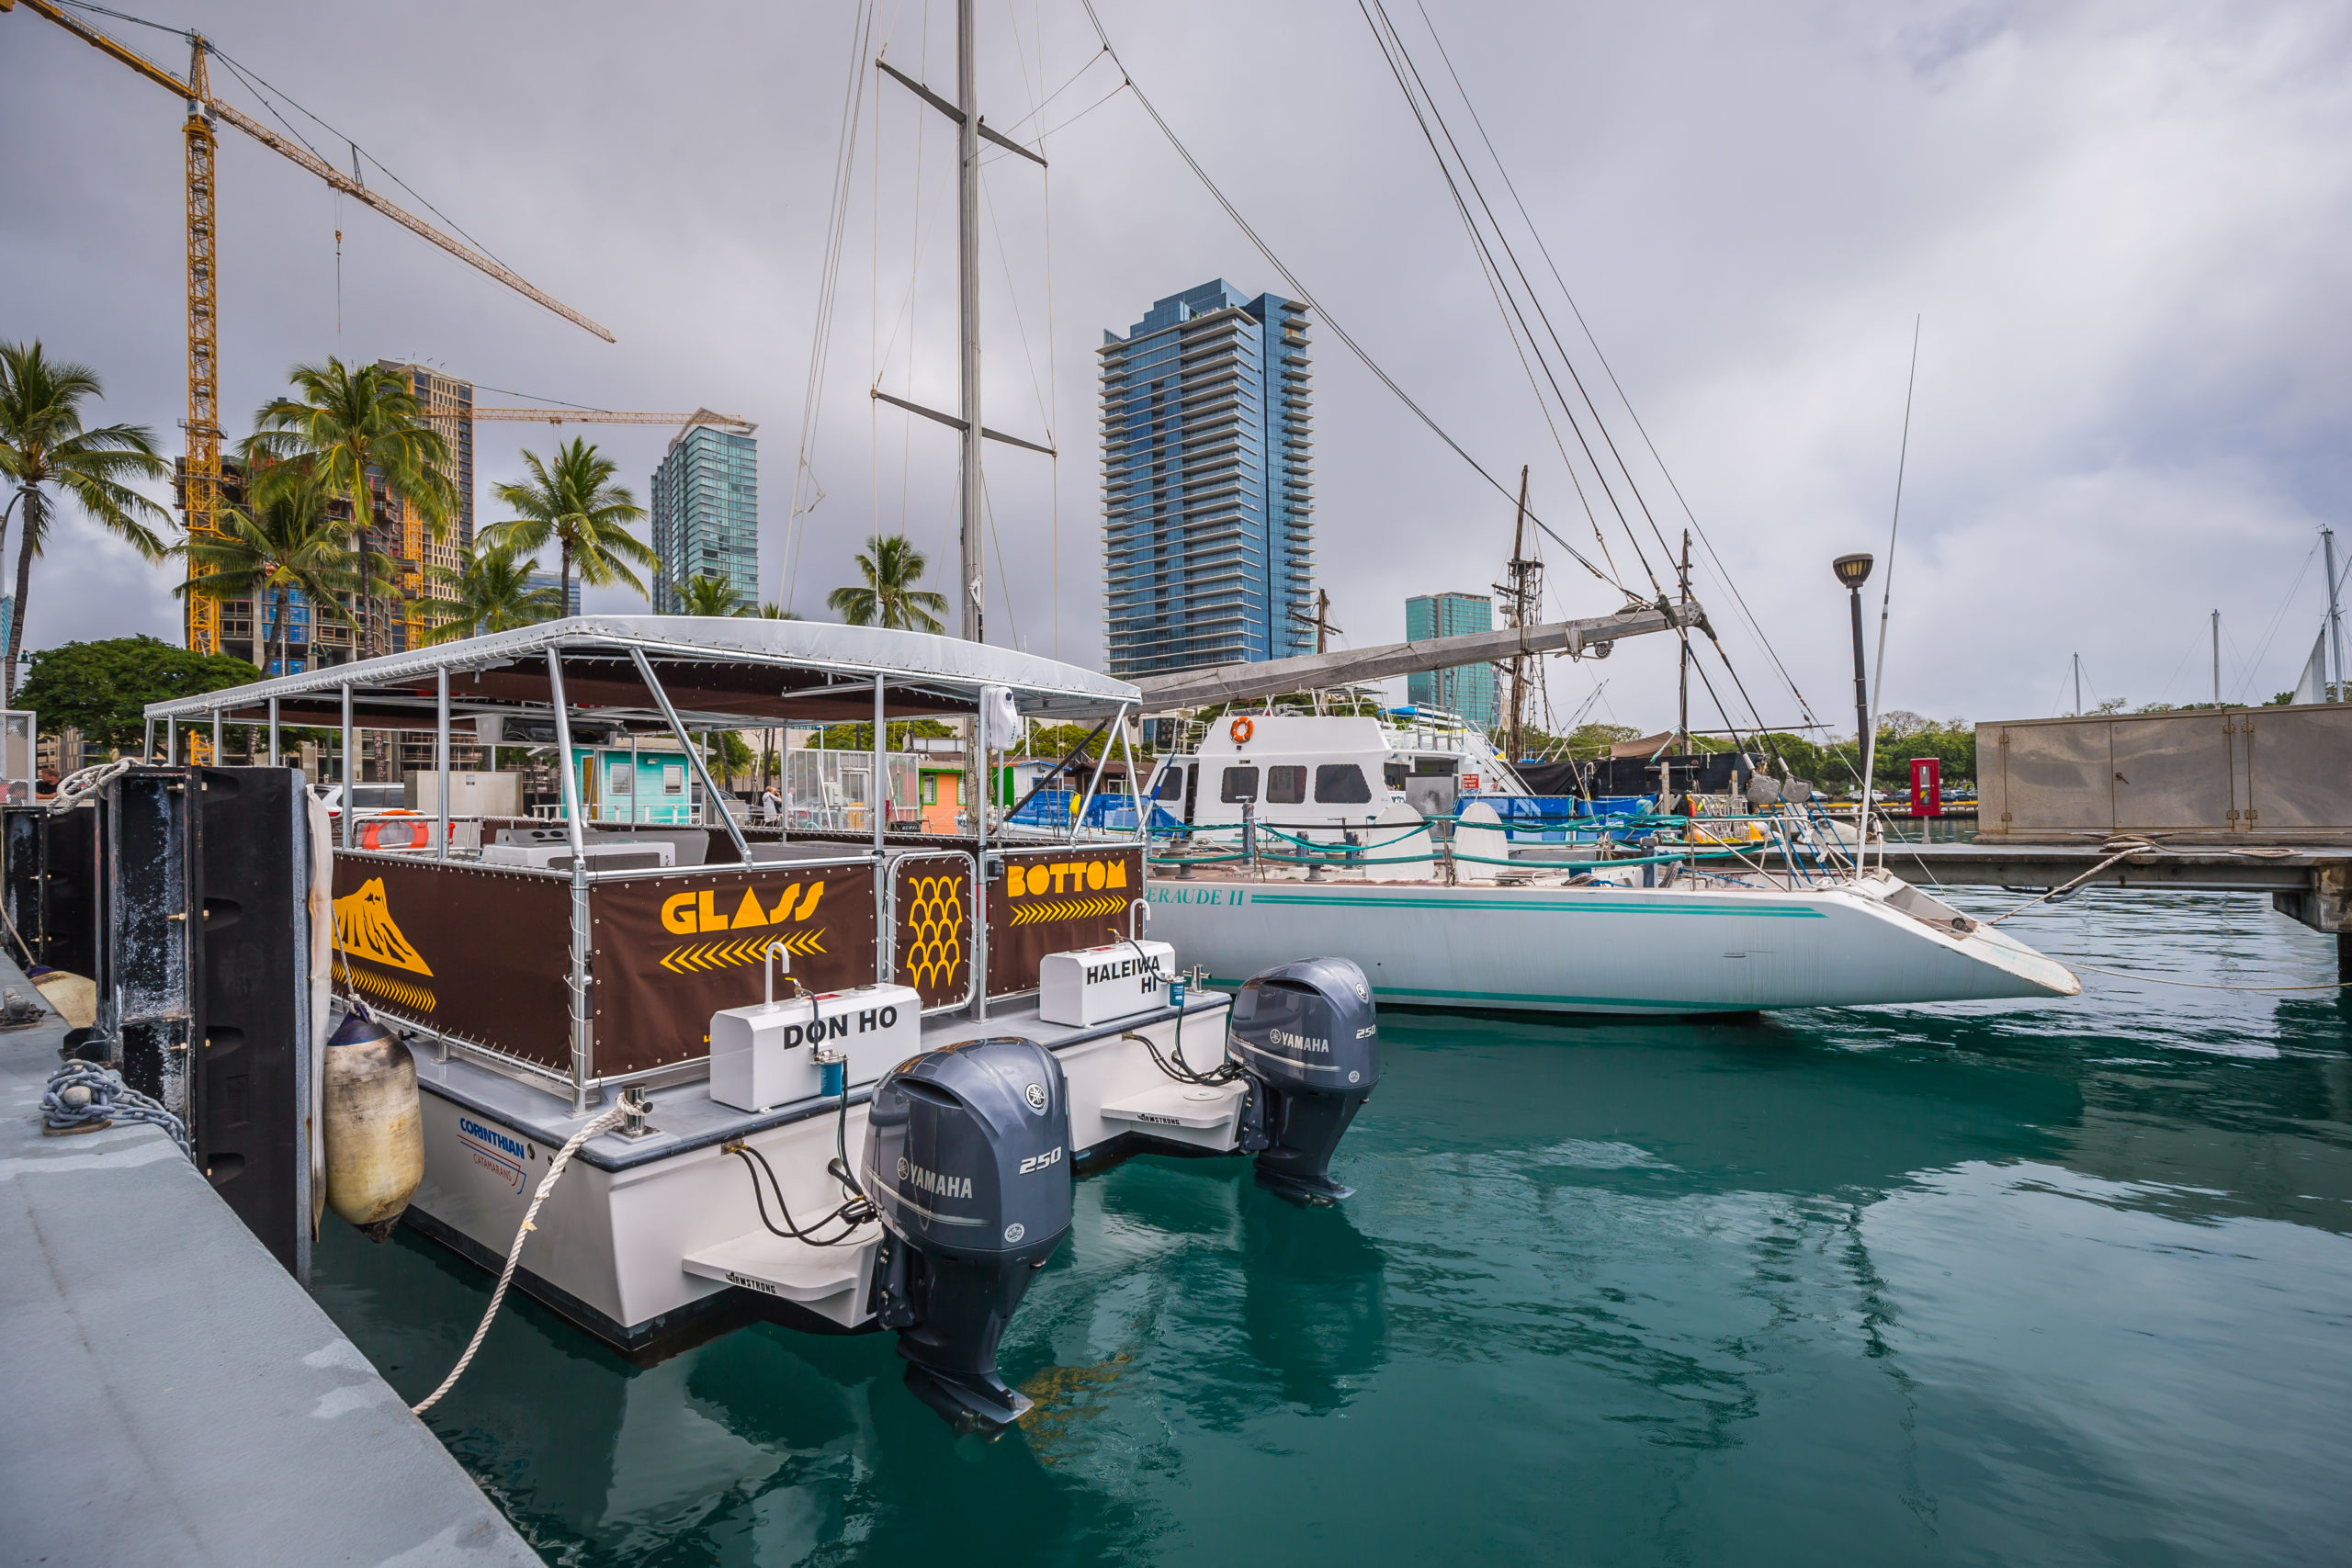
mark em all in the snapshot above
pixel 606 1123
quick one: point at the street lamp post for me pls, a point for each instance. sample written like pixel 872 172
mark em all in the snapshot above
pixel 1853 571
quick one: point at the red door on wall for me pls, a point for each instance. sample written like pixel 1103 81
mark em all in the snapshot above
pixel 1926 786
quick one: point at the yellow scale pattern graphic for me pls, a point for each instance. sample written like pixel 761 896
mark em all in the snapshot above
pixel 936 917
pixel 702 956
pixel 401 994
pixel 1064 909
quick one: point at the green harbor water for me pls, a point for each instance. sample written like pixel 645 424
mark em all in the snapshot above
pixel 1979 1283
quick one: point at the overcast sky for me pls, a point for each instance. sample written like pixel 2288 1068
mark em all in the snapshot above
pixel 2124 227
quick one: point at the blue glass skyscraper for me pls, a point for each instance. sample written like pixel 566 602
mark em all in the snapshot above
pixel 1465 689
pixel 1206 484
pixel 706 513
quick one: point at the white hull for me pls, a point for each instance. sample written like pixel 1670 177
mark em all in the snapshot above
pixel 1607 950
pixel 639 1236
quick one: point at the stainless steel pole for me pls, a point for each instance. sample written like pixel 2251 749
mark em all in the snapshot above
pixel 2217 659
pixel 216 738
pixel 147 741
pixel 441 750
pixel 645 673
pixel 1094 779
pixel 172 740
pixel 276 754
pixel 584 1043
pixel 349 796
pixel 971 584
pixel 885 936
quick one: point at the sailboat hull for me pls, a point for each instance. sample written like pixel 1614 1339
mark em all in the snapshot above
pixel 1608 950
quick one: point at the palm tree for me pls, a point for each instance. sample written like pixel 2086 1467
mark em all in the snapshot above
pixel 490 591
pixel 891 566
pixel 287 544
pixel 358 425
pixel 43 444
pixel 770 610
pixel 574 504
pixel 701 595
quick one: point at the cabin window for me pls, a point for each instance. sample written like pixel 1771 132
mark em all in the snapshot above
pixel 1238 785
pixel 1171 784
pixel 1340 783
pixel 1286 786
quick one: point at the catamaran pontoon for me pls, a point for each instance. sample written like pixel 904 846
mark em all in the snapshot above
pixel 607 979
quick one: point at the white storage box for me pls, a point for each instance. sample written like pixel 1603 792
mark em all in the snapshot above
pixel 1096 984
pixel 763 1055
pixel 604 854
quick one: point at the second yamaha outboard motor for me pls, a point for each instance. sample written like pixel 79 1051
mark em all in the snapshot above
pixel 968 1161
pixel 1308 1033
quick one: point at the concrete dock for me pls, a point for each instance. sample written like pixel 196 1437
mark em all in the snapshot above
pixel 171 1394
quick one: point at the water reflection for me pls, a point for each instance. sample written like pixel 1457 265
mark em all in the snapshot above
pixel 2058 1283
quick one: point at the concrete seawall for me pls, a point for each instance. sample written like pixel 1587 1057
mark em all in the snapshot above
pixel 168 1394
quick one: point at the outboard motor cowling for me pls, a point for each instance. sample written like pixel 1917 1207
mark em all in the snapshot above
pixel 1309 1036
pixel 967 1162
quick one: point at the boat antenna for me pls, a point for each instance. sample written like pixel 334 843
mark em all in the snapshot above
pixel 1886 592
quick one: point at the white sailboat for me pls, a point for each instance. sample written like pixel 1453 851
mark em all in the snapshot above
pixel 1296 833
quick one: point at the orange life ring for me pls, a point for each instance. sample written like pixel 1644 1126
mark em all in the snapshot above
pixel 1241 731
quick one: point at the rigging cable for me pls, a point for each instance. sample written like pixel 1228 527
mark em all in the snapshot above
pixel 1307 298
pixel 1754 626
pixel 1885 597
pixel 806 493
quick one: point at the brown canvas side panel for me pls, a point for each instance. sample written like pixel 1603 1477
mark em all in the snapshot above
pixel 932 896
pixel 670 950
pixel 482 955
pixel 1054 900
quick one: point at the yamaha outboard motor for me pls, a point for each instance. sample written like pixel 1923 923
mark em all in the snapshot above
pixel 967 1160
pixel 1308 1035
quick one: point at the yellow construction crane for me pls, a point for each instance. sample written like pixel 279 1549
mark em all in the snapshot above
pixel 735 423
pixel 203 481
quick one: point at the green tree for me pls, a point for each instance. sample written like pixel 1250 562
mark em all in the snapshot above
pixel 490 592
pixel 701 595
pixel 891 566
pixel 772 610
pixel 283 545
pixel 573 505
pixel 360 428
pixel 43 449
pixel 102 688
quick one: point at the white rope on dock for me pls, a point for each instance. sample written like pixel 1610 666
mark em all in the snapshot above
pixel 606 1123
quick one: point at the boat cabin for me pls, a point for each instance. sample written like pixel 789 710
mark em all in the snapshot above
pixel 1329 771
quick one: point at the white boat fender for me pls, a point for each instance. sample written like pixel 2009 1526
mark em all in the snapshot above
pixel 375 1125
pixel 1309 1035
pixel 71 997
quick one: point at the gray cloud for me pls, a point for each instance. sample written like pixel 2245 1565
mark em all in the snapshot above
pixel 2124 225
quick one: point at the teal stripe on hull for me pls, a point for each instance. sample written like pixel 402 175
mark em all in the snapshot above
pixel 1547 906
pixel 1533 1000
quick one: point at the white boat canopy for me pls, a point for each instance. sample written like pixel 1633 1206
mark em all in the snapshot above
pixel 718 671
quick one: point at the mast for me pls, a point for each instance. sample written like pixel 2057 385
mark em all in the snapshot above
pixel 967 322
pixel 1683 719
pixel 2334 618
pixel 2217 659
pixel 2078 685
pixel 1522 596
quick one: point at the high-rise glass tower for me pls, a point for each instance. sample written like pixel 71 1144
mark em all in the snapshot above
pixel 706 513
pixel 1465 689
pixel 1206 483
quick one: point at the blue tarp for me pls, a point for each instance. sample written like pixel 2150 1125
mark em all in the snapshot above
pixel 1051 808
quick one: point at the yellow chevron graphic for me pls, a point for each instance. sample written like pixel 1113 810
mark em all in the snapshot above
pixel 701 957
pixel 364 927
pixel 404 995
pixel 1064 909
